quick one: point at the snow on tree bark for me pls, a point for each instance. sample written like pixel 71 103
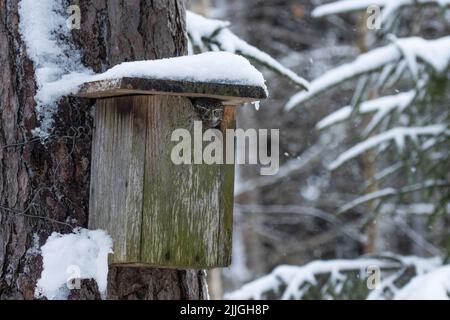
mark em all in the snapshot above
pixel 45 187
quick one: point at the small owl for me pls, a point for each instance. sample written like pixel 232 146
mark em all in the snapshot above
pixel 210 111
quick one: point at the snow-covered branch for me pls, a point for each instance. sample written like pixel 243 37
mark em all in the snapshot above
pixel 399 135
pixel 382 106
pixel 390 192
pixel 347 6
pixel 213 35
pixel 294 278
pixel 433 53
pixel 294 282
pixel 434 285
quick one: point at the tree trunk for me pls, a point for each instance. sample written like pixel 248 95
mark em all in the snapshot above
pixel 44 187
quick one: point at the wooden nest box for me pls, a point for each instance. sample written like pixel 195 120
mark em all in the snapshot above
pixel 156 212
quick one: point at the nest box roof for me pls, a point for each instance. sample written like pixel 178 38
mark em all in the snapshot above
pixel 219 75
pixel 230 94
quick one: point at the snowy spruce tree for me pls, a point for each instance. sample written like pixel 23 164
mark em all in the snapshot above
pixel 401 96
pixel 400 110
pixel 214 35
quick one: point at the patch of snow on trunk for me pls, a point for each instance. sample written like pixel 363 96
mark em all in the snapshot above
pixel 82 254
pixel 57 62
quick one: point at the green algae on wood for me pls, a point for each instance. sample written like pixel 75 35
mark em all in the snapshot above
pixel 158 213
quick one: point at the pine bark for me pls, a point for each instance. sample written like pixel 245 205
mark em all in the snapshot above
pixel 44 187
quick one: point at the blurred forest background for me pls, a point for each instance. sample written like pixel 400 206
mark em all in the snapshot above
pixel 285 222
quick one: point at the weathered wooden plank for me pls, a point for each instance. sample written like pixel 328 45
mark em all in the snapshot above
pixel 117 172
pixel 158 213
pixel 230 94
pixel 226 201
pixel 186 221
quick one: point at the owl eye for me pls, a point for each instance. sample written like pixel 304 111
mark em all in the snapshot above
pixel 217 113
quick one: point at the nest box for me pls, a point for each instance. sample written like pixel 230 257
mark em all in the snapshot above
pixel 156 212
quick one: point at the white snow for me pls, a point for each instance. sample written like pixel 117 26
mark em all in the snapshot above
pixel 432 281
pixel 345 6
pixel 434 53
pixel 388 192
pixel 367 62
pixel 295 276
pixel 217 67
pixel 200 28
pixel 83 250
pixel 57 64
pixel 386 105
pixel 382 106
pixel 59 70
pixel 421 266
pixel 231 43
pixel 335 117
pixel 434 285
pixel 398 134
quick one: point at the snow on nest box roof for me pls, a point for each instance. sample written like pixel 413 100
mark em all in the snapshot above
pixel 220 75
